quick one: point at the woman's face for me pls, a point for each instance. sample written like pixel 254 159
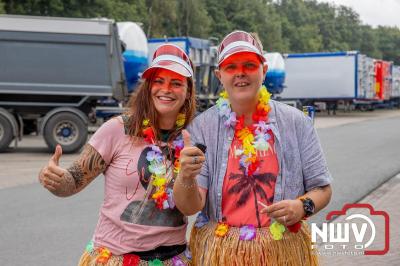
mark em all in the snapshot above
pixel 241 75
pixel 168 92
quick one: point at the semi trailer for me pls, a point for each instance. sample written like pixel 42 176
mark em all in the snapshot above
pixel 349 78
pixel 56 73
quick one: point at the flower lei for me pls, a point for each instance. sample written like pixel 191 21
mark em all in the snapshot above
pixel 157 164
pixel 253 138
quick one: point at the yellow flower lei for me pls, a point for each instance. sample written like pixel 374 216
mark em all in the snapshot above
pixel 251 143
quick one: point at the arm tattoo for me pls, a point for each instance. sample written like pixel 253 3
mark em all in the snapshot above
pixel 76 173
pixel 89 165
pixel 68 188
pixel 92 163
pixel 318 189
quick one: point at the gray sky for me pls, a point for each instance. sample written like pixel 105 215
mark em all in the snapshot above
pixel 374 12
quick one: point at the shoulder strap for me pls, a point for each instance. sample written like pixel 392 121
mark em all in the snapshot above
pixel 126 119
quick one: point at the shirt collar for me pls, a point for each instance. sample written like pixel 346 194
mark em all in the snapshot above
pixel 271 114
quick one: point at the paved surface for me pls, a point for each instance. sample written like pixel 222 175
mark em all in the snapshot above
pixel 21 166
pixel 323 120
pixel 39 229
pixel 361 156
pixel 385 198
pixel 362 149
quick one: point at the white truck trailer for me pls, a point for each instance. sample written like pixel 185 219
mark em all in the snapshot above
pixel 396 84
pixel 347 77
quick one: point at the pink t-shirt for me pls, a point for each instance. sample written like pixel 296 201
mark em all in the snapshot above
pixel 127 221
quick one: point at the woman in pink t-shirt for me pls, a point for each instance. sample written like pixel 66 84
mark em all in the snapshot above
pixel 138 153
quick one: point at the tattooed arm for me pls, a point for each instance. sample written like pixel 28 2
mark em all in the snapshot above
pixel 320 196
pixel 66 182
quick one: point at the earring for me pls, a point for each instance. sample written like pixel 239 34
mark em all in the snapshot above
pixel 180 120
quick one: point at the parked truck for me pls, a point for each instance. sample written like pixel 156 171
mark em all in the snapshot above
pixel 351 79
pixel 396 85
pixel 54 73
pixel 330 78
pixel 134 57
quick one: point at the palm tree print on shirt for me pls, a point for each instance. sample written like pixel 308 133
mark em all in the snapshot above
pixel 247 184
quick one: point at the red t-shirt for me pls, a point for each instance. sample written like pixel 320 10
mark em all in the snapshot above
pixel 240 193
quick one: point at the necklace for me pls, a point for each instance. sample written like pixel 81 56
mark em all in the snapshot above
pixel 158 164
pixel 252 138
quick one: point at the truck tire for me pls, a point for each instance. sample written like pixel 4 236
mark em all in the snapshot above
pixel 66 129
pixel 6 133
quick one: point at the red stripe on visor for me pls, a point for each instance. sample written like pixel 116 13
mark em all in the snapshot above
pixel 171 57
pixel 237 42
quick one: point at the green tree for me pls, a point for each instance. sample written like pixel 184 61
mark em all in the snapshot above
pixel 389 43
pixel 162 18
pixel 1 7
pixel 116 9
pixel 265 21
pixel 299 29
pixel 369 42
pixel 254 16
pixel 348 26
pixel 126 10
pixel 324 17
pixel 194 19
pixel 35 7
pixel 220 23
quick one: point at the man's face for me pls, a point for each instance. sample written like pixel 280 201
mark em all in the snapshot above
pixel 242 75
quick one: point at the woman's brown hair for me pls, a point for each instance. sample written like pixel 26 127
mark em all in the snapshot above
pixel 141 107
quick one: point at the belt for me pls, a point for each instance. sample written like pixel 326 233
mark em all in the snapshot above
pixel 162 253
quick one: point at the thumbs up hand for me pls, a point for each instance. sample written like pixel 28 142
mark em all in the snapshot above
pixel 186 138
pixel 55 159
pixel 191 159
pixel 51 176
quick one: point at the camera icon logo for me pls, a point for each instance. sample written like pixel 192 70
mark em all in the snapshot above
pixel 356 230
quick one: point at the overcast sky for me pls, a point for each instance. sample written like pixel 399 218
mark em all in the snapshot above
pixel 374 12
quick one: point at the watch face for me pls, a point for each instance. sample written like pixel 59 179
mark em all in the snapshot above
pixel 309 208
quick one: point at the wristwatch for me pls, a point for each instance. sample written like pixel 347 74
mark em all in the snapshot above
pixel 308 206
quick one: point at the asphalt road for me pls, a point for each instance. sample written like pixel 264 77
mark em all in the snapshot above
pixel 360 156
pixel 40 229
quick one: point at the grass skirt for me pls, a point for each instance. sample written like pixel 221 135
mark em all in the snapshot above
pixel 209 249
pixel 89 259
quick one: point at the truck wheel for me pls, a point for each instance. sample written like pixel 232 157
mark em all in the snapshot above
pixel 6 133
pixel 66 129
